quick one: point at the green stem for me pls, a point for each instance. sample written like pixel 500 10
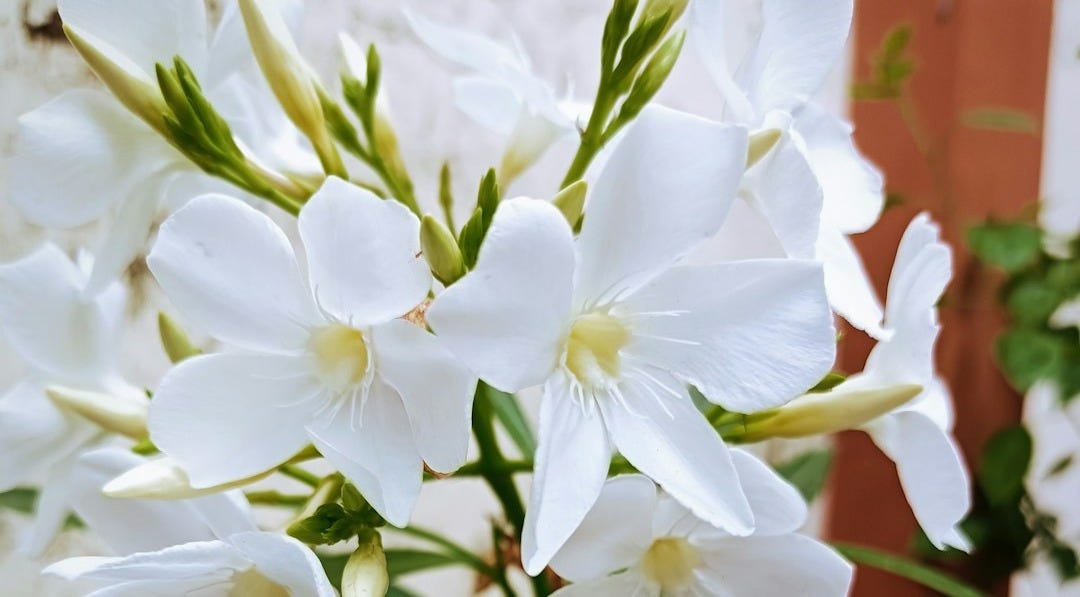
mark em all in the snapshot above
pixel 276 498
pixel 458 551
pixel 301 475
pixel 477 468
pixel 592 137
pixel 492 467
pixel 927 577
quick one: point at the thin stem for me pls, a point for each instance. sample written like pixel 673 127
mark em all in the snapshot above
pixel 459 551
pixel 301 475
pixel 276 498
pixel 592 137
pixel 927 577
pixel 477 468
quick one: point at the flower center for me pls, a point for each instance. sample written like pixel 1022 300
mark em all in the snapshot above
pixel 592 351
pixel 341 355
pixel 670 563
pixel 251 582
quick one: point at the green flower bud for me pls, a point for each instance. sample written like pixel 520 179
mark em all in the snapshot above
pixel 173 339
pixel 125 415
pixel 571 201
pixel 365 573
pixel 441 250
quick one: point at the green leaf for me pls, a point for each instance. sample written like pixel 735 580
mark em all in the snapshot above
pixel 1010 246
pixel 1004 463
pixel 1001 119
pixel 1031 301
pixel 20 499
pixel 405 561
pixel 927 577
pixel 394 591
pixel 1026 356
pixel 470 238
pixel 807 472
pixel 508 410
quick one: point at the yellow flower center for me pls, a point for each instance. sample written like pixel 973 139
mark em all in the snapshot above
pixel 251 582
pixel 670 563
pixel 341 355
pixel 592 351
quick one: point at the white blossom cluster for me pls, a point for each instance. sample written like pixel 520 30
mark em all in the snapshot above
pixel 384 341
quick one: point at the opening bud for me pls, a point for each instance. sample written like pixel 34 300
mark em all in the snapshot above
pixel 365 573
pixel 441 250
pixel 761 142
pixel 828 412
pixel 165 479
pixel 135 89
pixel 571 201
pixel 121 414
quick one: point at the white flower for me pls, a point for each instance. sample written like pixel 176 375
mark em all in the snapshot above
pixel 327 360
pixel 501 93
pixel 243 565
pixel 614 331
pixel 638 541
pixel 1055 438
pixel 917 436
pixel 83 154
pixel 64 338
pixel 814 188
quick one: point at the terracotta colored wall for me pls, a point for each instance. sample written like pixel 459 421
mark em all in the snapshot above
pixel 971 54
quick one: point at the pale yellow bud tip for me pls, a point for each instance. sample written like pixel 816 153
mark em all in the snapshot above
pixel 365 573
pixel 165 479
pixel 761 143
pixel 571 201
pixel 121 414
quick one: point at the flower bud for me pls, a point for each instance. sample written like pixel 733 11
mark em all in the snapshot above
pixel 290 77
pixel 135 89
pixel 173 339
pixel 761 142
pixel 121 414
pixel 365 573
pixel 828 412
pixel 571 201
pixel 655 8
pixel 165 479
pixel 441 251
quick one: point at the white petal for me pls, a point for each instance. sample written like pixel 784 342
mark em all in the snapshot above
pixel 206 561
pixel 572 460
pixel 285 561
pixel 800 43
pixel 710 31
pixel 79 154
pixel 493 104
pixel 614 534
pixel 670 441
pixel 786 191
pixel 232 272
pixel 362 253
pixel 471 50
pixel 127 237
pixel 49 322
pixel 508 318
pixel 226 417
pixel 850 292
pixel 129 526
pixel 436 389
pixel 51 510
pixel 749 334
pixel 377 453
pixel 931 472
pixel 667 187
pixel 853 187
pixel 778 507
pixel 624 584
pixel 785 565
pixel 143 32
pixel 35 435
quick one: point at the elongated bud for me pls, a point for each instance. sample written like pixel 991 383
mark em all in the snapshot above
pixel 173 339
pixel 165 479
pixel 290 78
pixel 441 251
pixel 121 414
pixel 571 201
pixel 130 84
pixel 828 412
pixel 365 573
pixel 761 143
pixel 655 8
pixel 652 77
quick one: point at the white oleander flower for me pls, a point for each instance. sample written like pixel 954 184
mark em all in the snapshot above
pixel 614 330
pixel 814 187
pixel 918 435
pixel 327 360
pixel 501 93
pixel 1054 426
pixel 639 541
pixel 83 154
pixel 65 338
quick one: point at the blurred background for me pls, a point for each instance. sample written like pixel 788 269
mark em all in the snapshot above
pixel 969 107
